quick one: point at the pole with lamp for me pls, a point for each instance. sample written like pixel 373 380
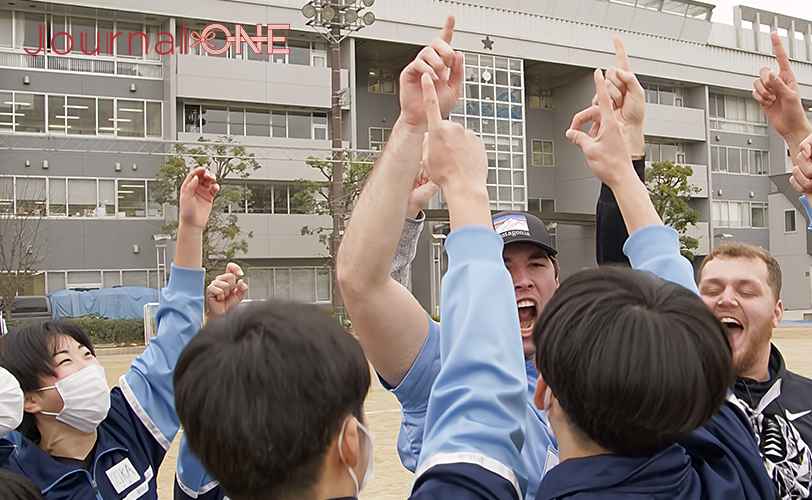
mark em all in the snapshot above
pixel 335 20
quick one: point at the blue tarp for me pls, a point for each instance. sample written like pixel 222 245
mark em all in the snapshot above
pixel 126 302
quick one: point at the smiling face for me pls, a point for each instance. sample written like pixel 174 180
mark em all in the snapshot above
pixel 738 292
pixel 69 357
pixel 534 282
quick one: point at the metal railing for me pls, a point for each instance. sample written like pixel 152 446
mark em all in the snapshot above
pixel 141 68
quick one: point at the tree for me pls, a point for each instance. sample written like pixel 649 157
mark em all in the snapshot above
pixel 23 236
pixel 316 197
pixel 228 162
pixel 670 189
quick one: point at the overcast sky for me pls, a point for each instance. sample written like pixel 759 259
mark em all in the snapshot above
pixel 723 13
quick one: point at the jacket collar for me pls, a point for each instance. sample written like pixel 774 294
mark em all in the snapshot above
pixel 664 471
pixel 46 472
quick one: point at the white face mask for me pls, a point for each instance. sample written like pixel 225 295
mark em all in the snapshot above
pixel 369 474
pixel 86 399
pixel 11 402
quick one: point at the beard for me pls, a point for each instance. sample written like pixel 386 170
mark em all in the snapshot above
pixel 748 356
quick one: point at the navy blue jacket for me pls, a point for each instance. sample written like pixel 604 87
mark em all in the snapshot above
pixel 142 422
pixel 719 460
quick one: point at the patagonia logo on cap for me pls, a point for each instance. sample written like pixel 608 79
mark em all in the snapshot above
pixel 511 225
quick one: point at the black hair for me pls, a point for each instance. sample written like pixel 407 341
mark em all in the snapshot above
pixel 16 487
pixel 262 392
pixel 28 354
pixel 635 362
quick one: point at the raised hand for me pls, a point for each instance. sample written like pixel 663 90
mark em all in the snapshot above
pixel 606 144
pixel 445 67
pixel 225 291
pixel 422 191
pixel 780 99
pixel 196 195
pixel 456 160
pixel 628 98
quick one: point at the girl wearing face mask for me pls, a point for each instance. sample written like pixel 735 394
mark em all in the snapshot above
pixel 78 439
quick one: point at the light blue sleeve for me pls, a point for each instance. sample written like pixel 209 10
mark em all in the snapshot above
pixel 191 479
pixel 148 385
pixel 477 410
pixel 413 395
pixel 808 211
pixel 656 249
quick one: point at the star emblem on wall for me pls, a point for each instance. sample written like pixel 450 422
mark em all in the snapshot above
pixel 488 43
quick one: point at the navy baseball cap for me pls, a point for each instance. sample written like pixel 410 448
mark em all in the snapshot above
pixel 521 227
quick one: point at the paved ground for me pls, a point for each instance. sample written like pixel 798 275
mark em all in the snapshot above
pixel 392 481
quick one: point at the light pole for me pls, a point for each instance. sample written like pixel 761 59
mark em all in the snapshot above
pixel 335 20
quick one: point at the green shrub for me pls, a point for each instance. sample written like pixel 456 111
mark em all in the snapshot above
pixel 103 330
pixel 111 331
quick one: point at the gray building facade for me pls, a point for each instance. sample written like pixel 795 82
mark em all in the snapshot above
pixel 83 135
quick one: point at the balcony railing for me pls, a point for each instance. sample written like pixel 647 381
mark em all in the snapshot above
pixel 140 68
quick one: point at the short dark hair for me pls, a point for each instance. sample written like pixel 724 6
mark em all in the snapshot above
pixel 16 487
pixel 635 362
pixel 262 392
pixel 28 354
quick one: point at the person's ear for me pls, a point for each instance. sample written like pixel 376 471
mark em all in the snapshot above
pixel 350 443
pixel 778 313
pixel 32 402
pixel 538 396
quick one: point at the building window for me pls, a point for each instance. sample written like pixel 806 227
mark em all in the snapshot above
pixel 539 98
pixel 239 120
pixel 303 284
pixel 492 107
pixel 789 221
pixel 381 81
pixel 76 115
pixel 736 114
pixel 378 138
pixel 739 160
pixel 263 197
pixel 79 197
pixel 665 151
pixel 663 94
pixel 740 214
pixel 543 153
pixel 541 205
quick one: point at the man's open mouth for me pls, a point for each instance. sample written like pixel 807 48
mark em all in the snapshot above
pixel 734 327
pixel 528 313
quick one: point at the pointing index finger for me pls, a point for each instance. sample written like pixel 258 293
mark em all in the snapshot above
pixel 430 101
pixel 604 102
pixel 780 52
pixel 620 52
pixel 448 30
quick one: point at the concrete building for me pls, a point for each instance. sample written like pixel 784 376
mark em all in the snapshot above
pixel 83 135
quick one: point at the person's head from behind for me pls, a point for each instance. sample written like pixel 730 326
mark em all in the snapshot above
pixel 271 399
pixel 64 384
pixel 628 363
pixel 531 260
pixel 16 487
pixel 741 284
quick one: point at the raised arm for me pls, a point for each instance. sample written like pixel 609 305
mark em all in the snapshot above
pixel 629 103
pixel 651 246
pixel 191 479
pixel 148 385
pixel 780 99
pixel 477 410
pixel 389 322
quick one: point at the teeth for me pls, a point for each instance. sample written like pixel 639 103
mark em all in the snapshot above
pixel 730 321
pixel 525 303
